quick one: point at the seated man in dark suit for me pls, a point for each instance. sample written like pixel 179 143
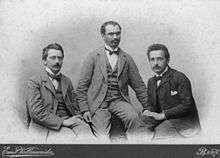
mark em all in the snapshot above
pixel 51 103
pixel 171 110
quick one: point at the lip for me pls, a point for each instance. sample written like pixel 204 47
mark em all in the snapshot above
pixel 157 68
pixel 116 41
pixel 56 67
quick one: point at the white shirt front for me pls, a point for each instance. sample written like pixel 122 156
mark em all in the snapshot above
pixel 158 82
pixel 111 58
pixel 54 82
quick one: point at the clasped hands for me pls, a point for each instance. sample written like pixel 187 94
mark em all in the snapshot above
pixel 155 115
pixel 72 121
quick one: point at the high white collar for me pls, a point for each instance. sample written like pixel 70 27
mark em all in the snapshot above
pixel 109 48
pixel 49 71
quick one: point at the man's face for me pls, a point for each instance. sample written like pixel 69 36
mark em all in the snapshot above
pixel 54 60
pixel 157 60
pixel 112 36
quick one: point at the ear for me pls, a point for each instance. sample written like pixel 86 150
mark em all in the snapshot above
pixel 103 36
pixel 44 62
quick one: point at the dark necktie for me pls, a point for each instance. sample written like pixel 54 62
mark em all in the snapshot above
pixel 112 52
pixel 157 78
pixel 55 77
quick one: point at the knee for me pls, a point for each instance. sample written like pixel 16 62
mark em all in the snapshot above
pixel 82 127
pixel 165 129
pixel 133 116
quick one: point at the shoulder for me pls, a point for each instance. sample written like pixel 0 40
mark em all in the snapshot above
pixel 93 55
pixel 66 78
pixel 127 56
pixel 179 76
pixel 35 79
pixel 96 52
pixel 150 80
pixel 38 75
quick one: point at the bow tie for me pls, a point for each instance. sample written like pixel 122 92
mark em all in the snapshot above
pixel 55 77
pixel 157 78
pixel 112 52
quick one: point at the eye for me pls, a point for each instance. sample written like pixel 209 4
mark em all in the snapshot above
pixel 111 33
pixel 118 33
pixel 160 59
pixel 53 57
pixel 60 58
pixel 152 59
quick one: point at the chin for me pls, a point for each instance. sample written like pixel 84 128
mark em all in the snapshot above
pixel 158 72
pixel 55 71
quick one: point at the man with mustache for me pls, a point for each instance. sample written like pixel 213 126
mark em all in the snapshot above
pixel 51 102
pixel 171 110
pixel 103 86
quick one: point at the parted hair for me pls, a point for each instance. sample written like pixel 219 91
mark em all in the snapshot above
pixel 158 47
pixel 114 23
pixel 51 46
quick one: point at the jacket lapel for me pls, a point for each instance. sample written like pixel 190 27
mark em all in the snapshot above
pixel 47 82
pixel 167 76
pixel 102 62
pixel 64 85
pixel 121 62
pixel 154 90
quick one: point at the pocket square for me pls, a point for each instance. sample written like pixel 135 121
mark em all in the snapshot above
pixel 173 93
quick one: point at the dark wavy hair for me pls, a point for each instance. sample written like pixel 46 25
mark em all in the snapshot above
pixel 51 46
pixel 158 47
pixel 102 29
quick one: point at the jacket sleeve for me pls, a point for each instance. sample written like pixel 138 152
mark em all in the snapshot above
pixel 186 100
pixel 74 102
pixel 38 110
pixel 136 83
pixel 84 83
pixel 148 106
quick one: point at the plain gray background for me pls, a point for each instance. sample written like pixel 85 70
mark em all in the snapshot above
pixel 189 28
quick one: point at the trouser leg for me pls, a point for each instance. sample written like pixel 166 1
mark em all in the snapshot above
pixel 63 136
pixel 131 120
pixel 127 114
pixel 78 133
pixel 101 122
pixel 165 130
pixel 117 131
pixel 83 133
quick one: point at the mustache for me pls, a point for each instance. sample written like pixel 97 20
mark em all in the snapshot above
pixel 57 65
pixel 156 67
pixel 115 40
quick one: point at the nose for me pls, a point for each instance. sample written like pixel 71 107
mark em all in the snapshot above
pixel 115 36
pixel 57 60
pixel 155 62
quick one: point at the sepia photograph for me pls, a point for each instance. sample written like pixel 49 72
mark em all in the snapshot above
pixel 109 72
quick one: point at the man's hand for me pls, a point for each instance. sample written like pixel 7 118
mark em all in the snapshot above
pixel 74 120
pixel 159 116
pixel 156 116
pixel 87 116
pixel 147 113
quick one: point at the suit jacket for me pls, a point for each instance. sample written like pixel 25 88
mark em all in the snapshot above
pixel 42 104
pixel 177 102
pixel 93 84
